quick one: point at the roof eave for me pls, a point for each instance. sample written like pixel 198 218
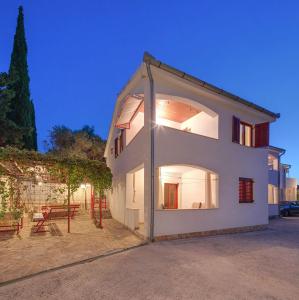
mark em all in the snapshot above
pixel 148 58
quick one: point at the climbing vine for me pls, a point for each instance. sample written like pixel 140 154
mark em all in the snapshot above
pixel 17 166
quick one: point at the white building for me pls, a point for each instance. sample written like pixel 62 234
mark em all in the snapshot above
pixel 186 156
pixel 280 186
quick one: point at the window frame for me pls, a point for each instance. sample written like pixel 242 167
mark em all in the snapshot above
pixel 245 189
pixel 242 139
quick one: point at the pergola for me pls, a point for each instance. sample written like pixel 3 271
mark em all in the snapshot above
pixel 23 165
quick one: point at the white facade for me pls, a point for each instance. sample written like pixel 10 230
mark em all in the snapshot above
pixel 195 157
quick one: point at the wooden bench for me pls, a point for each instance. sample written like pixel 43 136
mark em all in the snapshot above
pixel 9 224
pixel 57 211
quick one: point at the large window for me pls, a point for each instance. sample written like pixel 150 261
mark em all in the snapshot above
pixel 187 187
pixel 245 190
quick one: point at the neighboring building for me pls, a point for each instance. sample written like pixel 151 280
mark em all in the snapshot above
pixel 290 192
pixel 277 180
pixel 280 186
pixel 186 156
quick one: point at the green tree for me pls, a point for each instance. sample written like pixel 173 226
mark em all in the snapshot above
pixel 83 143
pixel 22 109
pixel 10 133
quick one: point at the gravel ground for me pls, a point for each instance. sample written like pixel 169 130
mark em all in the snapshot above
pixel 256 265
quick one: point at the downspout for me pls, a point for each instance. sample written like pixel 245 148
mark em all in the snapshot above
pixel 152 141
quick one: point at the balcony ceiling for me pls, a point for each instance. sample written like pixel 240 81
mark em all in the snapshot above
pixel 175 111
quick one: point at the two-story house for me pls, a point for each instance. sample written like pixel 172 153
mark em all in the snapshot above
pixel 187 158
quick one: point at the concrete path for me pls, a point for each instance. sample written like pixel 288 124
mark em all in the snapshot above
pixel 257 265
pixel 30 252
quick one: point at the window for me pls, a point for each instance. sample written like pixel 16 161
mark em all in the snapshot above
pixel 245 134
pixel 272 194
pixel 121 141
pixel 116 147
pixel 250 135
pixel 119 144
pixel 245 190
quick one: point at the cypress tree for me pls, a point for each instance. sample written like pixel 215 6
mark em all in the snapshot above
pixel 10 133
pixel 22 107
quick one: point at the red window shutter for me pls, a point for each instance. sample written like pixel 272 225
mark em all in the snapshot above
pixel 245 190
pixel 115 147
pixel 236 130
pixel 261 135
pixel 241 190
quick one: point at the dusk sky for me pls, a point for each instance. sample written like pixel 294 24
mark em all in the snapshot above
pixel 81 53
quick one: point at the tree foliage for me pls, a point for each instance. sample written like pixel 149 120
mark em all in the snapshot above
pixel 83 143
pixel 22 111
pixel 10 132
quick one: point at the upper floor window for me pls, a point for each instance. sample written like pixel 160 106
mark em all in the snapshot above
pixel 250 135
pixel 186 115
pixel 119 144
pixel 272 162
pixel 246 134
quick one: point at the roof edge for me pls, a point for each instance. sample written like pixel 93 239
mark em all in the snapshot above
pixel 280 150
pixel 150 59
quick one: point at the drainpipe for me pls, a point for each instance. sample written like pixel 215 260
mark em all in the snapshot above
pixel 152 140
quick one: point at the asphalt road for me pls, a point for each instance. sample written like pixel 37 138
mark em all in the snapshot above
pixel 256 265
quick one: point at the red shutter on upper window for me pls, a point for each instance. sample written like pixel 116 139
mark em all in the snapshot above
pixel 236 130
pixel 115 147
pixel 261 132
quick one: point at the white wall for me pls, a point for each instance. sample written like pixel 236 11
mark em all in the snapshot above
pixel 35 195
pixel 273 210
pixel 193 188
pixel 135 194
pixel 135 127
pixel 203 124
pixel 169 123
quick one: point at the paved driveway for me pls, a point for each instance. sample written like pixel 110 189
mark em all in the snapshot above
pixel 257 265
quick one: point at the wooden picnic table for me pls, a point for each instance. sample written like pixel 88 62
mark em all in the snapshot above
pixel 53 211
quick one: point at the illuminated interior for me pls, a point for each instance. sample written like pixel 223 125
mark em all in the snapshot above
pixel 272 162
pixel 187 187
pixel 174 112
pixel 272 194
pixel 186 115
